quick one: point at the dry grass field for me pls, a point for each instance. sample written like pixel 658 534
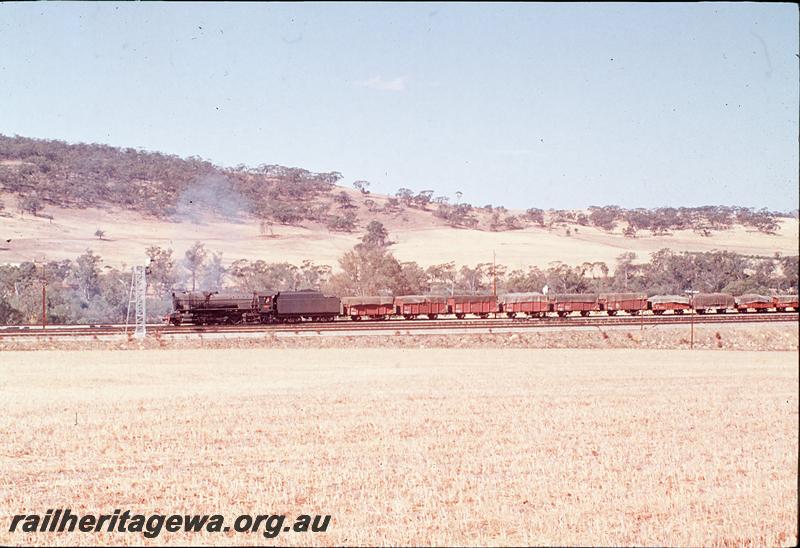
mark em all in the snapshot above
pixel 410 446
pixel 419 237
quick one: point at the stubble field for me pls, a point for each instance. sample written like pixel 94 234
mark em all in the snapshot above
pixel 409 446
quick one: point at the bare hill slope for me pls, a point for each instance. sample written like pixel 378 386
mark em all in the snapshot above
pixel 418 237
pixel 58 199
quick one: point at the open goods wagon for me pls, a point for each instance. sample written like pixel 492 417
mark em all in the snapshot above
pixel 532 304
pixel 706 302
pixel 752 301
pixel 782 302
pixel 565 304
pixel 632 303
pixel 414 306
pixel 660 304
pixel 479 305
pixel 369 308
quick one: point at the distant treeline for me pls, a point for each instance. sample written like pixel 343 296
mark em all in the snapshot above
pixel 659 221
pixel 84 291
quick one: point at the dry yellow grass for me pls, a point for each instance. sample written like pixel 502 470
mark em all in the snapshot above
pixel 421 237
pixel 410 446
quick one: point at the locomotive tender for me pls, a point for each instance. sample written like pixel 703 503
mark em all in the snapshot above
pixel 212 307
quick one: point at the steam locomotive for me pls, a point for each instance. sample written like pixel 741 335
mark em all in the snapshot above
pixel 216 308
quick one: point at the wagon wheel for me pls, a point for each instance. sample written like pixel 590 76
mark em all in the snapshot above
pixel 355 318
pixel 432 316
pixel 562 313
pixel 460 316
pixel 511 314
pixel 612 312
pixel 584 313
pixel 678 311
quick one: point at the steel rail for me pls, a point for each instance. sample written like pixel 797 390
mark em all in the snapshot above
pixel 409 325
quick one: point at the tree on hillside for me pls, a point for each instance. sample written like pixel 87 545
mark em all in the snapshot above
pixel 344 201
pixel 342 223
pixel 99 233
pixel 361 186
pixel 31 203
pixel 405 195
pixel 375 235
pixel 422 199
pixel 370 204
pixel 392 205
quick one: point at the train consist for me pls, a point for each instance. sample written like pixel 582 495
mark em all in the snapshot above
pixel 215 308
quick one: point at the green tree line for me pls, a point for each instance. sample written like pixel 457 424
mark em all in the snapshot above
pixel 83 290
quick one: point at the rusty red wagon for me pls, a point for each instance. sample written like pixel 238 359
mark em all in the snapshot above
pixel 565 304
pixel 368 308
pixel 782 302
pixel 753 301
pixel 660 304
pixel 532 304
pixel 632 303
pixel 414 306
pixel 706 302
pixel 479 305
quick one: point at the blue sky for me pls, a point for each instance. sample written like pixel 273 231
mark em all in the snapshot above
pixel 524 105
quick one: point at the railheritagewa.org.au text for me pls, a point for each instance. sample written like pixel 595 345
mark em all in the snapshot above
pixel 152 525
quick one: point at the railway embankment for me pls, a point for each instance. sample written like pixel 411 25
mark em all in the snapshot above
pixel 746 337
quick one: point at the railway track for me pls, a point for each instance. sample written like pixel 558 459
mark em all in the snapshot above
pixel 401 326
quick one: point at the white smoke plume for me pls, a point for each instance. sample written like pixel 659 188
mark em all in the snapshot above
pixel 211 196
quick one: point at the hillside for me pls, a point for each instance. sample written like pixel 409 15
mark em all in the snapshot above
pixel 55 196
pixel 418 237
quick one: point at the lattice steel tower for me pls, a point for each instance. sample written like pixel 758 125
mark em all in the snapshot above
pixel 137 299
